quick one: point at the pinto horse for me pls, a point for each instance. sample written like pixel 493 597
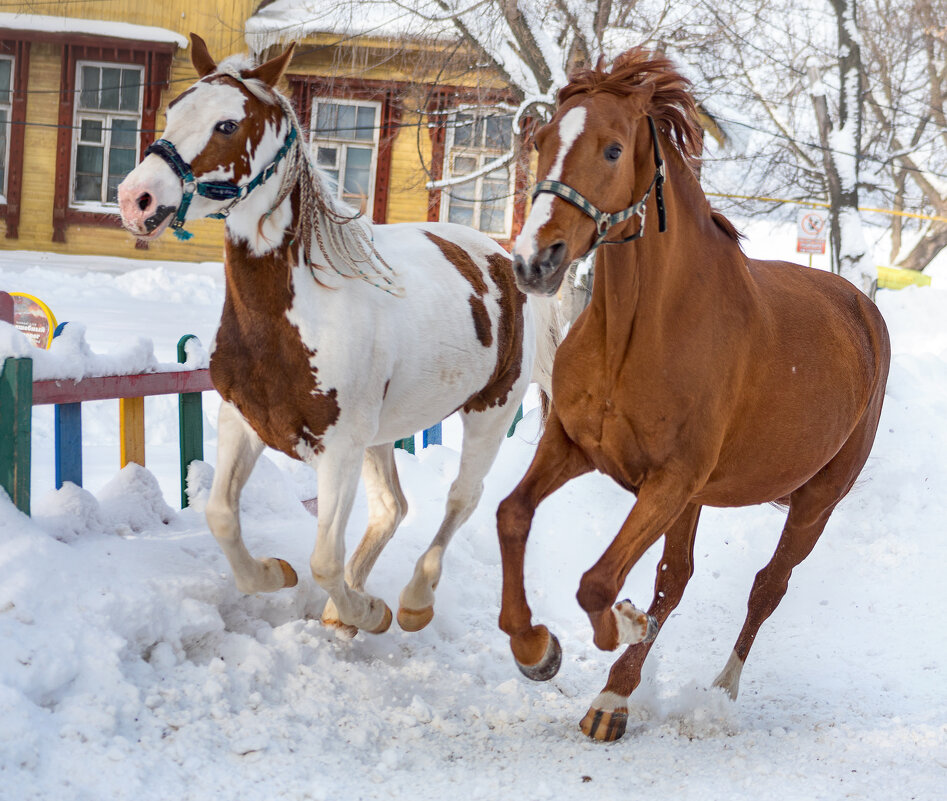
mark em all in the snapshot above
pixel 695 377
pixel 337 337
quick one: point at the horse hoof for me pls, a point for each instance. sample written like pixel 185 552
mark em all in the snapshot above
pixel 385 623
pixel 634 626
pixel 341 630
pixel 290 579
pixel 603 725
pixel 415 619
pixel 548 666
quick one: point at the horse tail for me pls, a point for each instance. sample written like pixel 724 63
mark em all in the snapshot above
pixel 547 322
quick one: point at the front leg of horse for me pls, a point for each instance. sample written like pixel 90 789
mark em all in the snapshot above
pixel 557 460
pixel 348 609
pixel 237 452
pixel 608 714
pixel 659 504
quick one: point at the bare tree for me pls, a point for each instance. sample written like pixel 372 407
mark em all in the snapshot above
pixel 905 49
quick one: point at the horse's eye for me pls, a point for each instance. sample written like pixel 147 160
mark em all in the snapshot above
pixel 227 127
pixel 612 152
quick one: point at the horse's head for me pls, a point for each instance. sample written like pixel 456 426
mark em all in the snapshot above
pixel 221 136
pixel 599 164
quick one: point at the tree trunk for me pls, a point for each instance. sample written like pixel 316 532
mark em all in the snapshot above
pixel 842 151
pixel 924 251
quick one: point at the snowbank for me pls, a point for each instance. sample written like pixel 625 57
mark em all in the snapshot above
pixel 131 667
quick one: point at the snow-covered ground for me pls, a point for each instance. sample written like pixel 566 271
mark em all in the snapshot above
pixel 131 667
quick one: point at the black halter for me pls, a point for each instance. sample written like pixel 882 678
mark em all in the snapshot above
pixel 604 221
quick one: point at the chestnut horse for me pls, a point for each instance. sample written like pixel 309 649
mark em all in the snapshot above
pixel 337 337
pixel 695 377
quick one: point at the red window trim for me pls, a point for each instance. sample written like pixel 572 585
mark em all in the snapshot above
pixel 304 88
pixel 443 100
pixel 155 57
pixel 10 211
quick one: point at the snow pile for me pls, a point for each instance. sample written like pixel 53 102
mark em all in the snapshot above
pixel 97 27
pixel 131 667
pixel 69 355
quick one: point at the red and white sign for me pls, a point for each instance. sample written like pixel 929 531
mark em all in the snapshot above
pixel 812 228
pixel 34 318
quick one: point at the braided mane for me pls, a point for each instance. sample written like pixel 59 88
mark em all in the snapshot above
pixel 639 71
pixel 343 236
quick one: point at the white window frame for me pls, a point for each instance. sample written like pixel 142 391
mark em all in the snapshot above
pixel 106 116
pixel 316 140
pixel 8 107
pixel 482 156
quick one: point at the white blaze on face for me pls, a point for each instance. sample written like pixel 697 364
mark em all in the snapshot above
pixel 570 126
pixel 191 123
pixel 192 119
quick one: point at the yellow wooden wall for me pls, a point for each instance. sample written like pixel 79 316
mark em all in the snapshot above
pixel 220 24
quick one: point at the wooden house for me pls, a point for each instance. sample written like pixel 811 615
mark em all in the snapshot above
pixel 389 108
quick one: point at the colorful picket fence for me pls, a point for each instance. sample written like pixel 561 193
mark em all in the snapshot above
pixel 432 435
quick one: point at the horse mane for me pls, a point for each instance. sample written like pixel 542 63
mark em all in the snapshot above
pixel 639 71
pixel 343 236
pixel 671 104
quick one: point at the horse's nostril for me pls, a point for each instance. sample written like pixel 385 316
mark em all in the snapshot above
pixel 553 255
pixel 144 201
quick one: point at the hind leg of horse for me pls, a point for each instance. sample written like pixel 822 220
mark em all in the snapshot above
pixel 387 507
pixel 338 470
pixel 557 460
pixel 483 434
pixel 237 451
pixel 608 713
pixel 809 509
pixel 799 537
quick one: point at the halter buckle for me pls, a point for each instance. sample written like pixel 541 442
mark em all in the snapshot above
pixel 190 187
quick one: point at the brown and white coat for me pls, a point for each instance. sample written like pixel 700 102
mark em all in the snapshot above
pixel 329 368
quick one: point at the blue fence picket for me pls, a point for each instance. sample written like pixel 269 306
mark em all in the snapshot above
pixel 68 437
pixel 432 435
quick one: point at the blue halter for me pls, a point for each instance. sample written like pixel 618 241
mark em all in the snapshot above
pixel 213 190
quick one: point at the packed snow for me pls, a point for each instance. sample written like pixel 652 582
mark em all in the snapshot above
pixel 97 27
pixel 131 667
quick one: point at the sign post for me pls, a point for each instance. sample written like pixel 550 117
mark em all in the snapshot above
pixel 812 226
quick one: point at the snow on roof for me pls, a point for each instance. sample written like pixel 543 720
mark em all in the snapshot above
pixel 284 21
pixel 96 27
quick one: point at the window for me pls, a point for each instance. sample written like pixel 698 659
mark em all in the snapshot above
pixel 109 94
pixel 6 113
pixel 107 121
pixel 485 202
pixel 344 137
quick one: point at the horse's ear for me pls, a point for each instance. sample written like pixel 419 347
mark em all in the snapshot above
pixel 272 70
pixel 200 58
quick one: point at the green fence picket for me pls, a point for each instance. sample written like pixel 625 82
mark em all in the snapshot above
pixel 16 413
